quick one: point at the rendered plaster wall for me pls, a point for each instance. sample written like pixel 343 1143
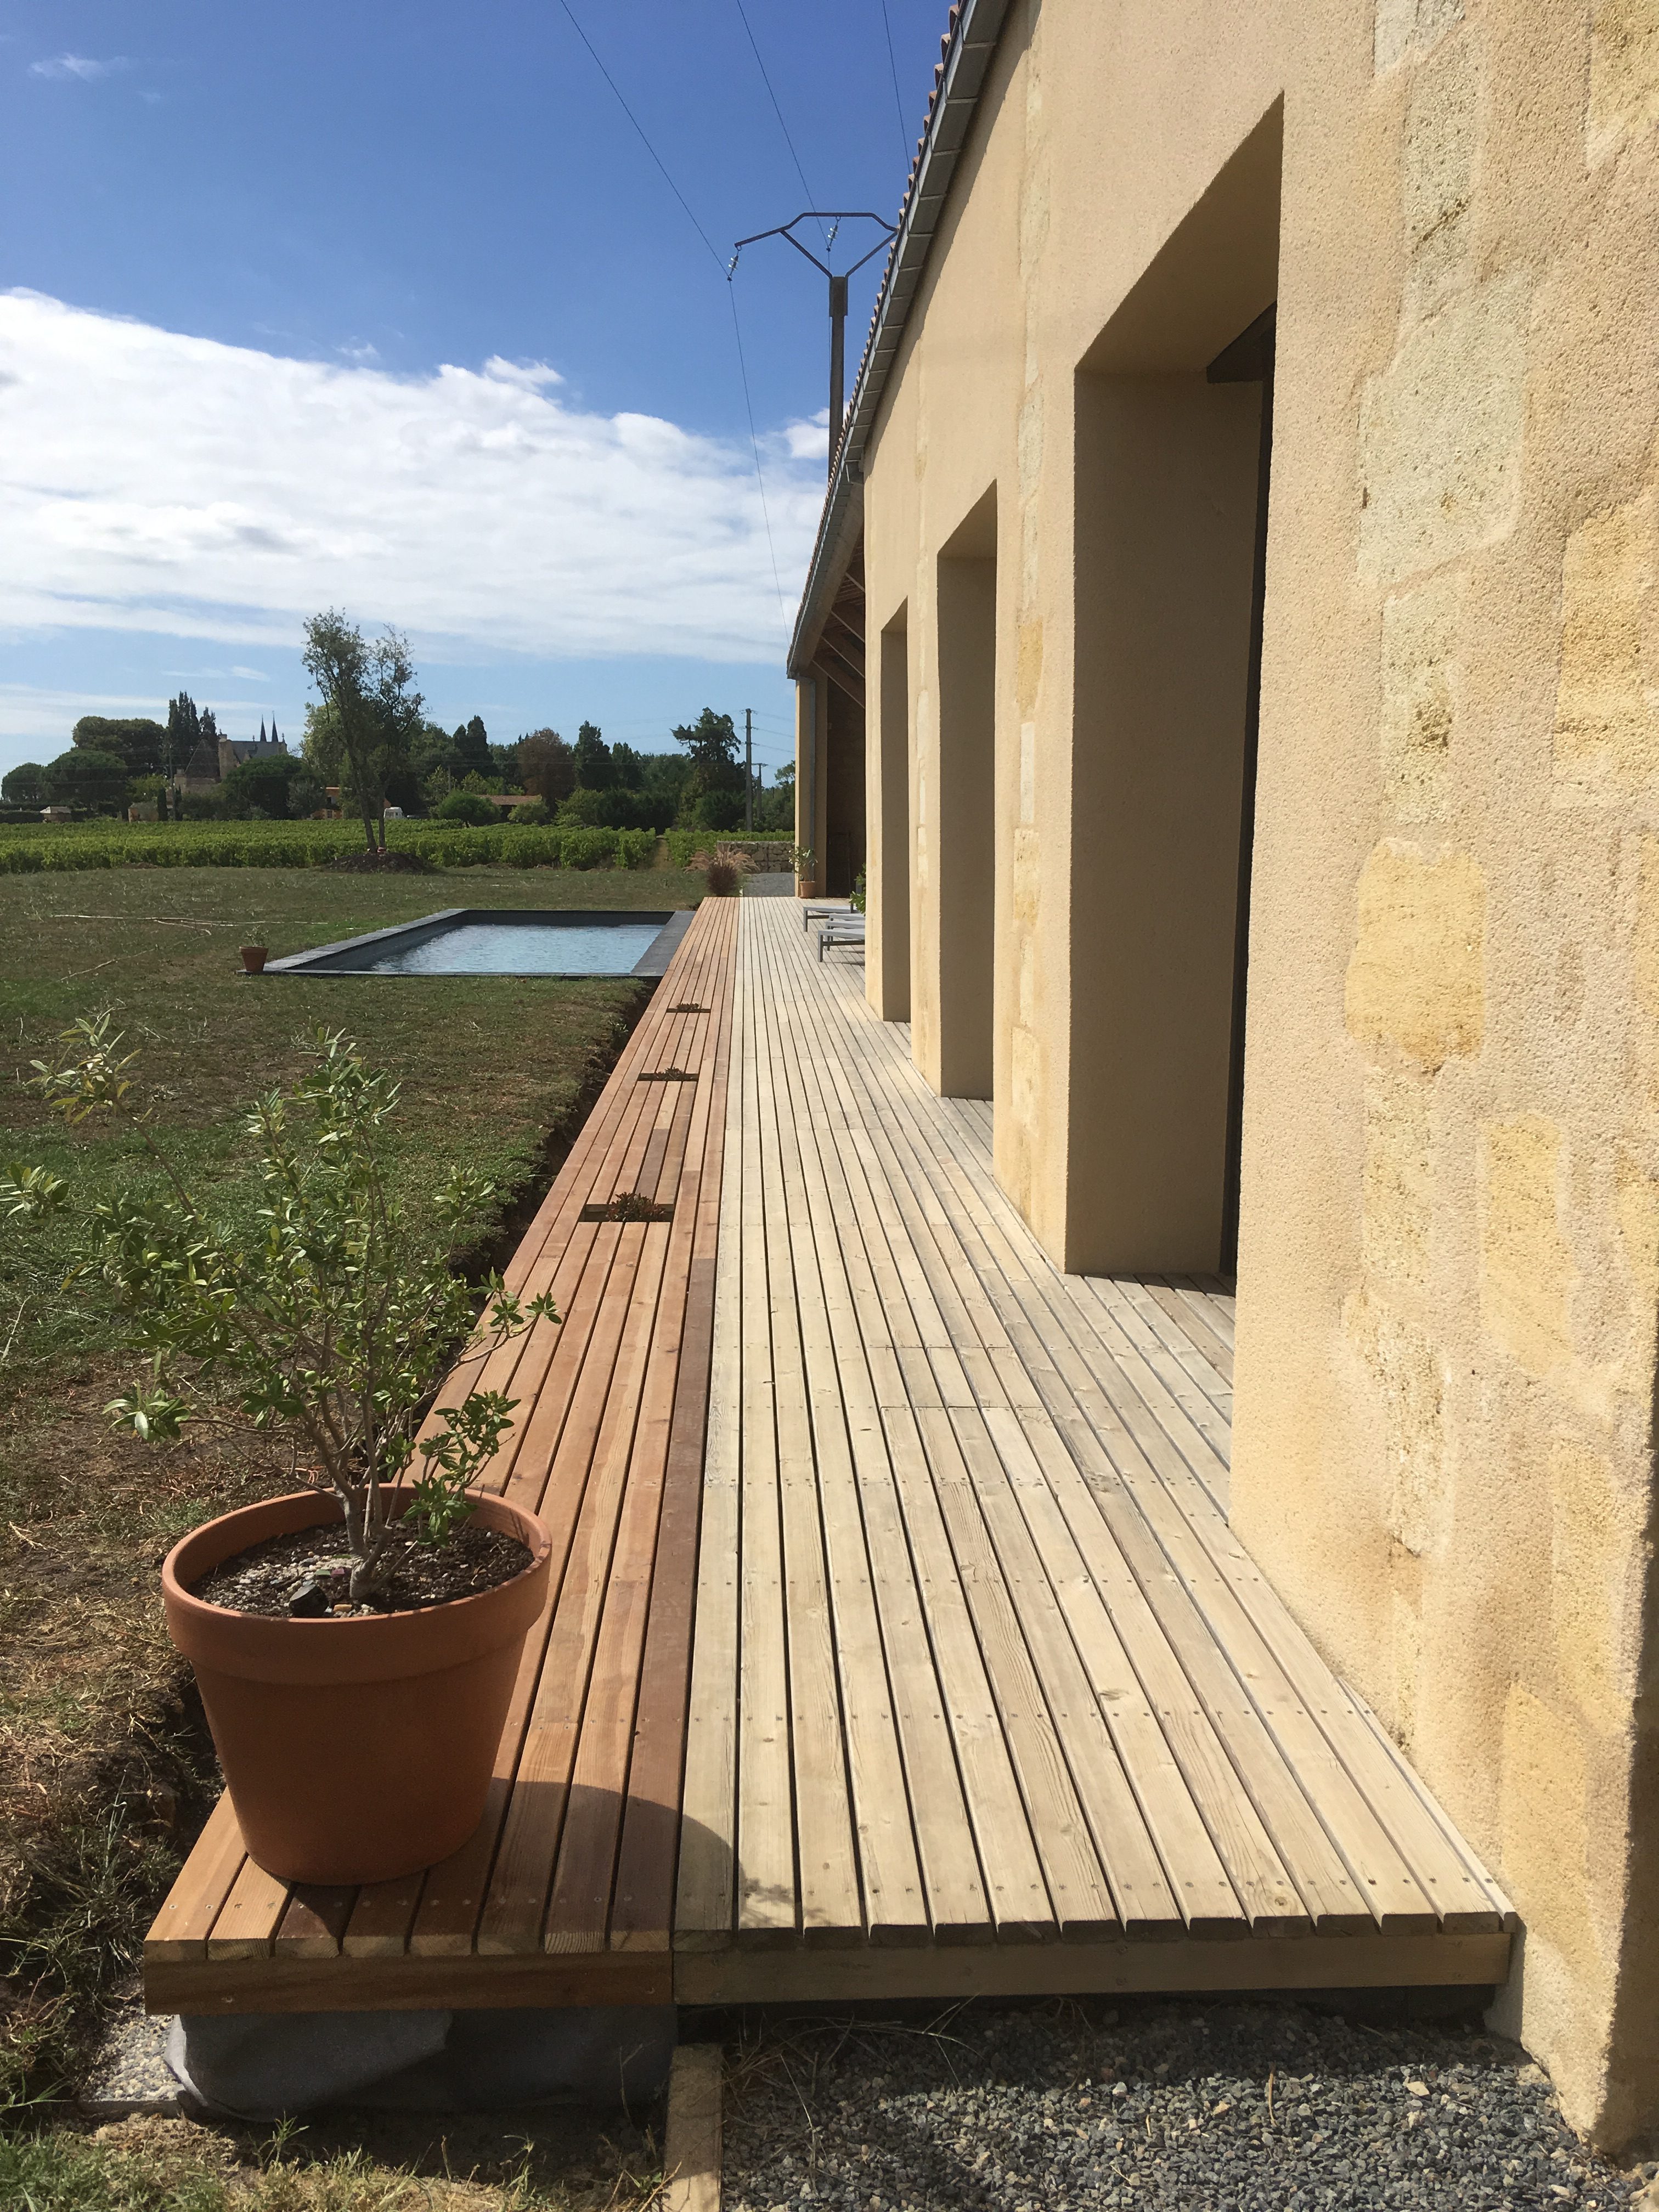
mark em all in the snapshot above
pixel 1448 1270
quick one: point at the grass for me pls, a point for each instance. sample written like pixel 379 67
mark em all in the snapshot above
pixel 104 1767
pixel 562 2161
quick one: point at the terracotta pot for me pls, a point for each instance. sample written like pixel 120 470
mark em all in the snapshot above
pixel 253 959
pixel 806 886
pixel 354 1750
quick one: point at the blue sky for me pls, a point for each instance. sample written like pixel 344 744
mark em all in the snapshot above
pixel 389 307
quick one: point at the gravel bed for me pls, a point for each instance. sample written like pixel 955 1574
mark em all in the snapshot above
pixel 1222 2108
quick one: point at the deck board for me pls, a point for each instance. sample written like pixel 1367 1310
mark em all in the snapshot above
pixel 896 1641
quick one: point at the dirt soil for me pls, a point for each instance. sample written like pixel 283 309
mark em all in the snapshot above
pixel 306 1574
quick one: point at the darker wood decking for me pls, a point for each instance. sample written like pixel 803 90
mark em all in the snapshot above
pixel 982 1695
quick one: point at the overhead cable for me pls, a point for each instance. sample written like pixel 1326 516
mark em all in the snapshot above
pixel 773 97
pixel 640 128
pixel 743 366
pixel 898 104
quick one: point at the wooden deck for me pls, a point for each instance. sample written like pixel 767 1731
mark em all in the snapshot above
pixel 898 1644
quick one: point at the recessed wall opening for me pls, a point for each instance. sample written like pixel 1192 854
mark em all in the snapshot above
pixel 890 884
pixel 1170 520
pixel 966 618
pixel 841 796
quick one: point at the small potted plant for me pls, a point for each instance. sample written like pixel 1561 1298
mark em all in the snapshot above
pixel 356 1640
pixel 805 868
pixel 254 958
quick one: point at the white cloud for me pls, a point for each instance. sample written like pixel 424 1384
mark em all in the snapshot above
pixel 810 441
pixel 80 66
pixel 157 482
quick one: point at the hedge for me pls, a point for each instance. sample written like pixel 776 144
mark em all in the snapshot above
pixel 40 848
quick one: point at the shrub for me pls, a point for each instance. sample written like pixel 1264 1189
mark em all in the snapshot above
pixel 327 1333
pixel 534 817
pixel 587 848
pixel 468 806
pixel 723 869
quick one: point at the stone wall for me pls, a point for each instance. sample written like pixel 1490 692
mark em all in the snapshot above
pixel 1449 1256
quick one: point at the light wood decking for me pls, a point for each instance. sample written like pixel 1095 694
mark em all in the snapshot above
pixel 983 1695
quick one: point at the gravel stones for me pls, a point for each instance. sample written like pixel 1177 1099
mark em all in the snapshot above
pixel 1224 2108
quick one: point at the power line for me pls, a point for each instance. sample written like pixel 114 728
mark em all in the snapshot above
pixel 639 127
pixel 773 97
pixel 736 331
pixel 898 103
pixel 743 371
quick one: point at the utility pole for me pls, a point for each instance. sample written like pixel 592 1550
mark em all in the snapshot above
pixel 835 217
pixel 748 771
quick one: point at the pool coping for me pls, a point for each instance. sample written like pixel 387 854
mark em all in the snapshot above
pixel 650 966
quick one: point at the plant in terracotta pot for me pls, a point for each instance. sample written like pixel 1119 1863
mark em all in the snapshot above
pixel 805 868
pixel 254 958
pixel 356 1641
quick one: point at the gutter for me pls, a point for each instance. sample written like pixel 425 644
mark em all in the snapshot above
pixel 958 81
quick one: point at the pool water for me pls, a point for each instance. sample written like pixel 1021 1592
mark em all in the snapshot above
pixel 520 948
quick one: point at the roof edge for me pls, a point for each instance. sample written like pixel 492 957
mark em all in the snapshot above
pixel 958 79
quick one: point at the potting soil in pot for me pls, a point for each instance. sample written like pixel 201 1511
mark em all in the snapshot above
pixel 306 1574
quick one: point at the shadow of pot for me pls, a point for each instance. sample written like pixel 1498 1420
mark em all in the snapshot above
pixel 355 1750
pixel 253 959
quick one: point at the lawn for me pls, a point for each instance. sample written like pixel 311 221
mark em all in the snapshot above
pixel 104 1770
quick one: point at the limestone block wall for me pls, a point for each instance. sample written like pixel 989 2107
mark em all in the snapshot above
pixel 1450 1249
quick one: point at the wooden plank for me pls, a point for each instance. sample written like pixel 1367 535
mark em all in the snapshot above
pixel 382 1918
pixel 1199 1880
pixel 1376 1872
pixel 313 1922
pixel 831 1908
pixel 180 1929
pixel 951 1891
pixel 593 1458
pixel 580 1909
pixel 405 1984
pixel 691 2131
pixel 643 1902
pixel 705 1900
pixel 1012 1875
pixel 881 1891
pixel 1104 1969
pixel 247 1921
pixel 767 1901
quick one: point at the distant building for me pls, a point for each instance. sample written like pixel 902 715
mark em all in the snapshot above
pixel 232 751
pixel 211 764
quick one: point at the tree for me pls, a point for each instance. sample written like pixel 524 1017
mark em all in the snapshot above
pixel 137 742
pixel 471 743
pixel 712 796
pixel 183 732
pixel 260 788
pixel 373 713
pixel 593 759
pixel 627 767
pixel 86 777
pixel 547 766
pixel 712 743
pixel 25 786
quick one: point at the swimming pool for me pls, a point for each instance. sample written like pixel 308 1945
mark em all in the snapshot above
pixel 503 941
